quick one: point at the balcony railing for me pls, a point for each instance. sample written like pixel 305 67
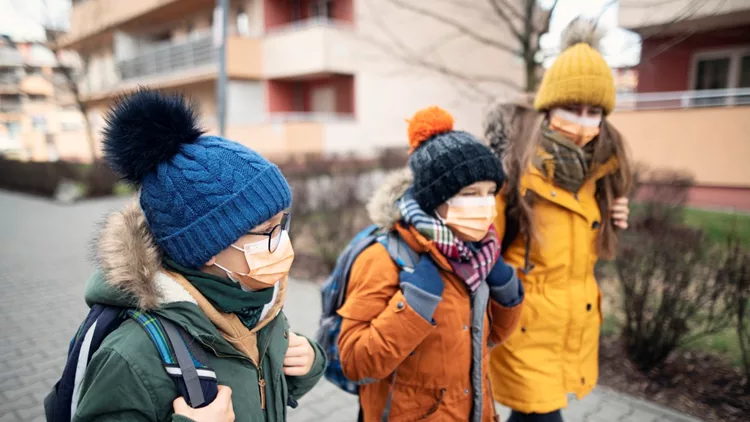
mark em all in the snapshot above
pixel 169 58
pixel 10 57
pixel 312 22
pixel 10 106
pixel 9 80
pixel 283 117
pixel 684 99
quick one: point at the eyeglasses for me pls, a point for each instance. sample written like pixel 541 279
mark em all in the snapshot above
pixel 274 235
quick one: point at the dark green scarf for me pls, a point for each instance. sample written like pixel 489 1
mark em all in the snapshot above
pixel 567 163
pixel 226 295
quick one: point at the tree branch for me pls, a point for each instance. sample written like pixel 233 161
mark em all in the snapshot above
pixel 457 25
pixel 517 13
pixel 507 19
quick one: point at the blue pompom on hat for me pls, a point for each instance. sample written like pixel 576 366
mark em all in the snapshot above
pixel 199 193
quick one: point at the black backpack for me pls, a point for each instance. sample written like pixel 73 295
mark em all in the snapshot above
pixel 183 359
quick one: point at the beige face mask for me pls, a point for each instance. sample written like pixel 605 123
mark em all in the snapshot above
pixel 469 217
pixel 266 268
pixel 578 129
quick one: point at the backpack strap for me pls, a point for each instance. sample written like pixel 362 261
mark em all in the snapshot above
pixel 404 256
pixel 185 360
pixel 361 243
pixel 182 357
pixel 62 402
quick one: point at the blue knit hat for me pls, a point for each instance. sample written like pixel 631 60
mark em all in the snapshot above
pixel 199 193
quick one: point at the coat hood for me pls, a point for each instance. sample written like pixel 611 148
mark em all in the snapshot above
pixel 130 268
pixel 382 207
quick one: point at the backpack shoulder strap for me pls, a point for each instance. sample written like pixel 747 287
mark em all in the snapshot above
pixel 347 258
pixel 404 256
pixel 182 357
pixel 185 361
pixel 61 403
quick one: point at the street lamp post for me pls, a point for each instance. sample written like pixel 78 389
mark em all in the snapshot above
pixel 221 18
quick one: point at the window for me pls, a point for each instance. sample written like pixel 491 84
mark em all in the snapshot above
pixel 70 126
pixel 243 22
pixel 712 74
pixel 323 9
pixel 745 72
pixel 298 97
pixel 14 129
pixel 323 100
pixel 39 123
pixel 296 10
pixel 34 71
pixel 52 154
pixel 720 70
pixel 35 98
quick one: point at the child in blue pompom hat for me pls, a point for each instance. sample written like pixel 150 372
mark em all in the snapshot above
pixel 206 248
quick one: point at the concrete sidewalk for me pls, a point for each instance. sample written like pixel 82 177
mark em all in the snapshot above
pixel 45 262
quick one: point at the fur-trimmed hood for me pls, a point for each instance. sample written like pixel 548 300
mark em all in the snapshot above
pixel 130 267
pixel 382 207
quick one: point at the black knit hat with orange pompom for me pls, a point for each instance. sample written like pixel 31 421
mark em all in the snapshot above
pixel 444 160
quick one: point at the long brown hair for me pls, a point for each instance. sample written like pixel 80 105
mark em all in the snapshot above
pixel 514 131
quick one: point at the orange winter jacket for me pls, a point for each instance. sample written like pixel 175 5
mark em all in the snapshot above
pixel 382 337
pixel 556 349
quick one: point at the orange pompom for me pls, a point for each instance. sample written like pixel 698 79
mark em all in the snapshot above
pixel 427 123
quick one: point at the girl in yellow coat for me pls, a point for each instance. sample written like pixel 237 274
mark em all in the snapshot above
pixel 567 176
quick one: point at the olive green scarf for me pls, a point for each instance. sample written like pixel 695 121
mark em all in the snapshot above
pixel 226 295
pixel 563 161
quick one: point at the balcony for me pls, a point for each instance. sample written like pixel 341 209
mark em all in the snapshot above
pixel 169 59
pixel 10 106
pixel 703 132
pixel 37 85
pixel 87 18
pixel 182 63
pixel 10 57
pixel 684 99
pixel 670 17
pixel 312 47
pixel 9 83
pixel 298 135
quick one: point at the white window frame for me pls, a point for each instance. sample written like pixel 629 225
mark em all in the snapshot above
pixel 735 61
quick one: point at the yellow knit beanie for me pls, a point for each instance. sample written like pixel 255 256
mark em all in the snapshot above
pixel 579 75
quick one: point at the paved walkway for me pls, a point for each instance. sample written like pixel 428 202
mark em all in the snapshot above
pixel 45 261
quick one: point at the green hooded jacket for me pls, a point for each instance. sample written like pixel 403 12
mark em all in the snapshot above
pixel 125 380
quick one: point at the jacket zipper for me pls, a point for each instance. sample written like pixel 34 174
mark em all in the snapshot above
pixel 261 379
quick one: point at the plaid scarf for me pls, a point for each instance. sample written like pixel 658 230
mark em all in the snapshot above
pixel 470 262
pixel 567 164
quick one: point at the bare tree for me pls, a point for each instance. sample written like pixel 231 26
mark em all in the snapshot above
pixel 74 76
pixel 525 20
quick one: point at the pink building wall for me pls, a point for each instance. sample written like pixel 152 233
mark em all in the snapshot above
pixel 666 66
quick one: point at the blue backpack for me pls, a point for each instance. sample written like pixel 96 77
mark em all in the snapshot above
pixel 183 359
pixel 334 295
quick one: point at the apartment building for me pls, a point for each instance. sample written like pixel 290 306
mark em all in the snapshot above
pixel 691 109
pixel 305 76
pixel 37 112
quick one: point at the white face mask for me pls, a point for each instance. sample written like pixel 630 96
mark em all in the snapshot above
pixel 587 122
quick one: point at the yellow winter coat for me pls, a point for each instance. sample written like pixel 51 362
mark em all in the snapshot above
pixel 555 349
